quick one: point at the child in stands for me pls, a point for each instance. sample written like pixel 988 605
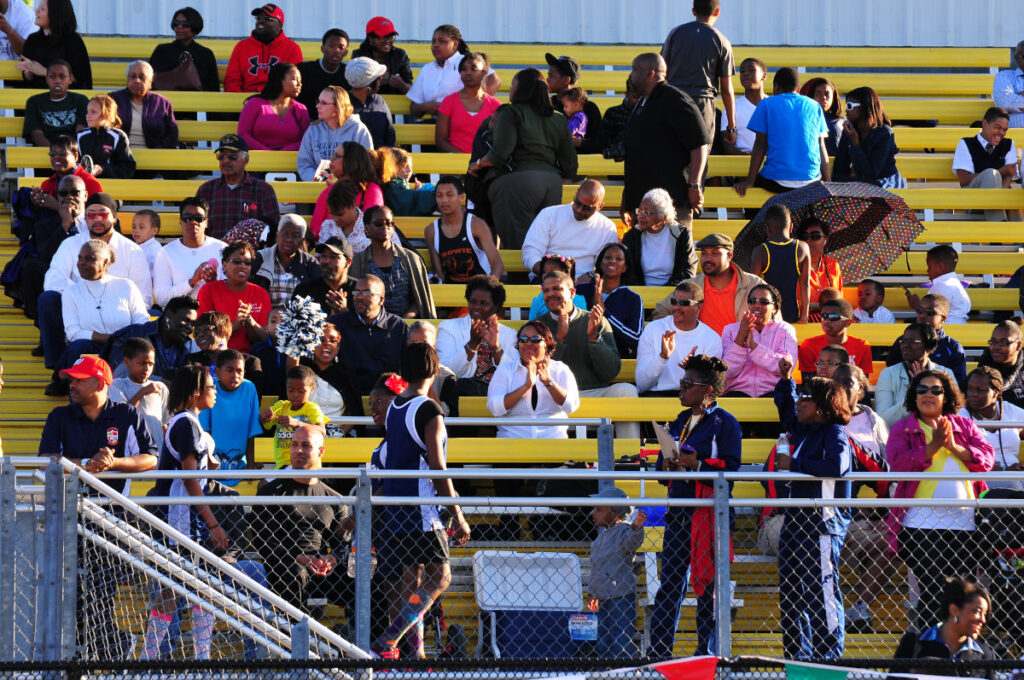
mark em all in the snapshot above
pixel 234 419
pixel 145 229
pixel 148 396
pixel 785 263
pixel 103 145
pixel 573 100
pixel 57 112
pixel 870 299
pixel 941 262
pixel 612 581
pixel 287 414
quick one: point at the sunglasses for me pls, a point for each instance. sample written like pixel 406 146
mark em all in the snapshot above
pixel 759 301
pixel 583 207
pixel 675 302
pixel 926 312
pixel 833 316
pixel 850 106
pixel 329 340
pixel 195 218
pixel 181 24
pixel 937 390
pixel 56 154
pixel 64 193
pixel 532 339
pixel 102 214
pixel 814 236
pixel 241 263
pixel 383 223
pixel 363 293
pixel 227 156
pixel 686 384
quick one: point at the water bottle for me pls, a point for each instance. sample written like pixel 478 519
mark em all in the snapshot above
pixel 782 445
pixel 351 566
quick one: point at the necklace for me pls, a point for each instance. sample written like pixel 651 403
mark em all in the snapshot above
pixel 98 299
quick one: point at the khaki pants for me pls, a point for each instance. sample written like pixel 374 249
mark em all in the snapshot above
pixel 991 179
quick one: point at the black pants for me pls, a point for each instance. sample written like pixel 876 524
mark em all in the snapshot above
pixel 935 555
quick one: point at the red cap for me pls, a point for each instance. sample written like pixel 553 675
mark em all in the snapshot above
pixel 381 26
pixel 89 367
pixel 271 10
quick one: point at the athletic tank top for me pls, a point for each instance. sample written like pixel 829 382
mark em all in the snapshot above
pixel 461 257
pixel 407 451
pixel 783 272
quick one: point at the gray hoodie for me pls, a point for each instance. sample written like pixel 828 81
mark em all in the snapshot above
pixel 320 141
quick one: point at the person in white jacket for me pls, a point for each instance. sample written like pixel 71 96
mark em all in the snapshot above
pixel 336 124
pixel 184 265
pixel 916 345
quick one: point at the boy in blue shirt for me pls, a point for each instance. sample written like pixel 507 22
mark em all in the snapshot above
pixel 235 418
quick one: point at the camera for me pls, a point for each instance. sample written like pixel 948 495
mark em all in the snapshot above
pixel 615 152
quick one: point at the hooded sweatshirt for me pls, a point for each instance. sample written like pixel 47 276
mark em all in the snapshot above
pixel 320 141
pixel 251 61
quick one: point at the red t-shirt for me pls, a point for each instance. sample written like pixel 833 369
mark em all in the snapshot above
pixel 216 296
pixel 92 185
pixel 859 351
pixel 462 125
pixel 719 308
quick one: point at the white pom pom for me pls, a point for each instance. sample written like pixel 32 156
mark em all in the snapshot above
pixel 301 327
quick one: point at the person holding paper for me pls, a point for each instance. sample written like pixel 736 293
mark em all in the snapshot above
pixel 702 438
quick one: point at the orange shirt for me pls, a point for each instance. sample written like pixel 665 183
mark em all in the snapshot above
pixel 858 349
pixel 719 305
pixel 827 275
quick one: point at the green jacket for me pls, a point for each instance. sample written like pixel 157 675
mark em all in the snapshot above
pixel 528 141
pixel 593 364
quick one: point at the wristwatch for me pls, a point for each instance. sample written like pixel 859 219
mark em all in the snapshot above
pixel 549 383
pixel 694 185
pixel 731 129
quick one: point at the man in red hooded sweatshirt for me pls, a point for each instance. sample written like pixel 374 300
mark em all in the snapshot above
pixel 267 45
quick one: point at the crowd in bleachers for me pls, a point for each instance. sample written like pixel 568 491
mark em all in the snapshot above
pixel 220 291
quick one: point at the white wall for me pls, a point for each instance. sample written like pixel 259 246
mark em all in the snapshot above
pixel 966 23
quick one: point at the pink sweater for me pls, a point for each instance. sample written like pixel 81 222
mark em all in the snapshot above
pixel 755 372
pixel 264 130
pixel 369 198
pixel 907 451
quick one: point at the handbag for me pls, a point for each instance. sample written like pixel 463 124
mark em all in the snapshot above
pixel 185 76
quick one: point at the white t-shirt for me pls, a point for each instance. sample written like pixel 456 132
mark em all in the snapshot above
pixel 881 315
pixel 176 263
pixel 744 137
pixel 135 136
pixel 22 20
pixel 555 230
pixel 434 82
pixel 1005 442
pixel 655 373
pixel 657 256
pixel 151 248
pixel 949 286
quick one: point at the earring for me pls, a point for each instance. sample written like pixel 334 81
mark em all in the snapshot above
pixel 956 619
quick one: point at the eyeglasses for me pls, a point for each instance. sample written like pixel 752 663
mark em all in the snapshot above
pixel 210 387
pixel 814 236
pixel 64 193
pixel 759 301
pixel 228 156
pixel 363 293
pixel 193 217
pixel 850 106
pixel 676 302
pixel 937 390
pixel 241 263
pixel 803 396
pixel 181 24
pixel 1000 343
pixel 911 343
pixel 827 364
pixel 583 207
pixel 532 339
pixel 686 383
pixel 646 213
pixel 833 316
pixel 383 223
pixel 926 312
pixel 321 102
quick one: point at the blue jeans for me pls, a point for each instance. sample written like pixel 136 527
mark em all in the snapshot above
pixel 51 327
pixel 616 628
pixel 811 610
pixel 74 351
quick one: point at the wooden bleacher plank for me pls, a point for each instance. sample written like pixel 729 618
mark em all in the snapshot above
pixel 591 165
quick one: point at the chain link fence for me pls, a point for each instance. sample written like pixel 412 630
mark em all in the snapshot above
pixel 319 571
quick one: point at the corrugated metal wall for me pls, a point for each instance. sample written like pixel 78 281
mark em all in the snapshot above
pixel 975 23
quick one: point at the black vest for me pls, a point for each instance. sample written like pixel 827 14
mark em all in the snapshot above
pixel 983 160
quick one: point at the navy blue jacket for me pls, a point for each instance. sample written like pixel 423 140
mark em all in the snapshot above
pixel 870 161
pixel 821 450
pixel 624 310
pixel 371 349
pixel 718 441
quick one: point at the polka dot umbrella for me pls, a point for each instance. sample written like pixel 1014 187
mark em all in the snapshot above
pixel 870 227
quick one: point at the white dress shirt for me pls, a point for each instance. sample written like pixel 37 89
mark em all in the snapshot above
pixel 556 230
pixel 949 286
pixel 962 157
pixel 1006 89
pixel 434 83
pixel 511 376
pixel 880 315
pixel 176 264
pixel 129 263
pixel 452 336
pixel 102 306
pixel 655 373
